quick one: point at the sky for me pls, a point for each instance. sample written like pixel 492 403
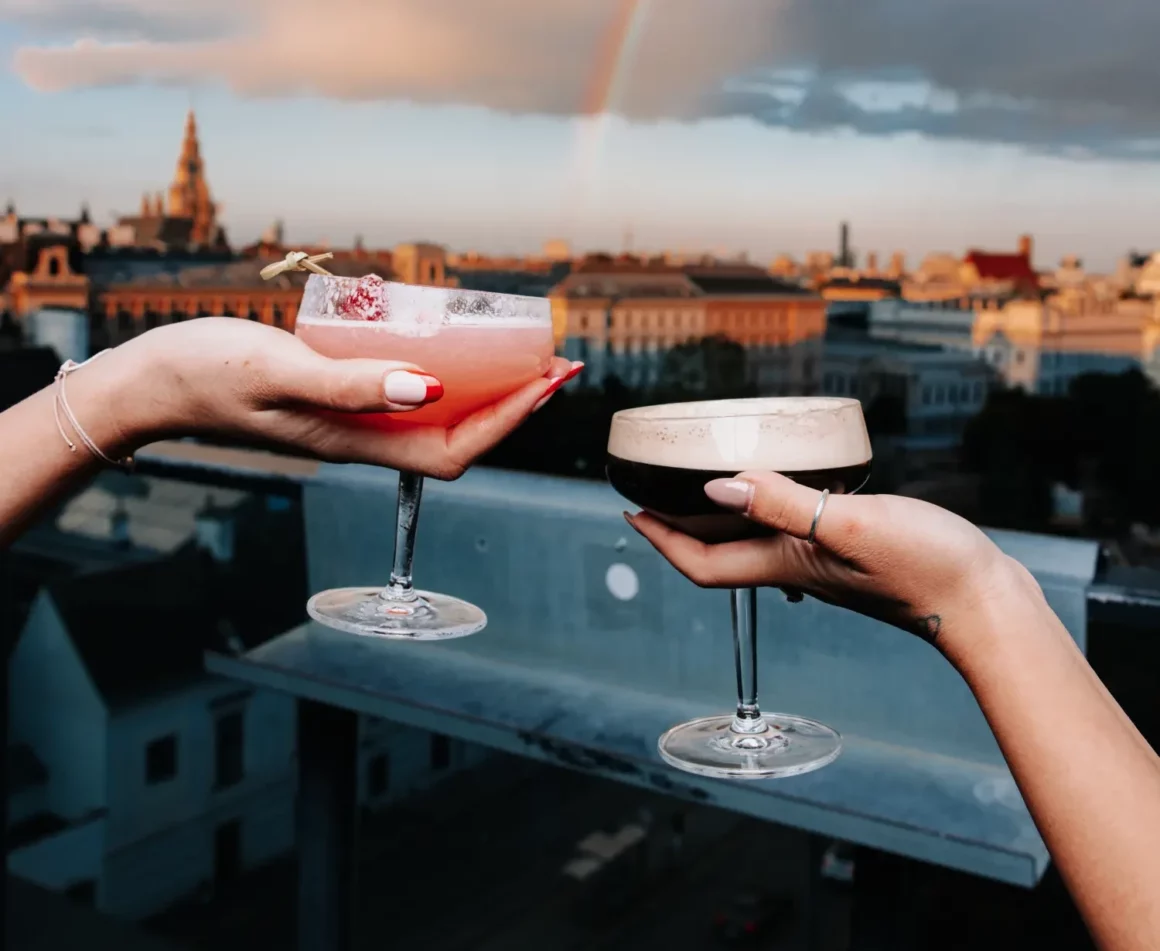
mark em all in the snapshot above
pixel 717 125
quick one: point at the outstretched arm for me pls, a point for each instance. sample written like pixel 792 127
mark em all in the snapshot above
pixel 228 376
pixel 1089 778
pixel 111 400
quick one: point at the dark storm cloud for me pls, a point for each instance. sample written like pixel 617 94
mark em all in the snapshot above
pixel 1067 76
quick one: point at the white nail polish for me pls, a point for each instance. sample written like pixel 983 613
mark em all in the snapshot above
pixel 404 387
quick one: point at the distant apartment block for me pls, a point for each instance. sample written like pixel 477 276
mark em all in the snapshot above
pixel 623 316
pixel 1041 346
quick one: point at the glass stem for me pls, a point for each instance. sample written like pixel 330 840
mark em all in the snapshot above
pixel 744 609
pixel 406 521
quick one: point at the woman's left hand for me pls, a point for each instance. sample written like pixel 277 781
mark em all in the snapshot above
pixel 238 378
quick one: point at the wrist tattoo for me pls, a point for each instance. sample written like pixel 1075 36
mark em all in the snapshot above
pixel 928 627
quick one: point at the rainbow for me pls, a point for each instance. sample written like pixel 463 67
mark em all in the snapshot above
pixel 602 93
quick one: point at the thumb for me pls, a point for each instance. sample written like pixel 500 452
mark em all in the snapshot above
pixel 359 385
pixel 779 502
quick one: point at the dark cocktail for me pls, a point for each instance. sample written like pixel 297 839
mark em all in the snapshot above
pixel 660 458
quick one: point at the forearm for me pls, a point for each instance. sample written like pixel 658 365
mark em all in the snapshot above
pixel 1088 776
pixel 112 399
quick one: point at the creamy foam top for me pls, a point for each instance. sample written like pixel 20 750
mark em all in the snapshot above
pixel 418 308
pixel 785 434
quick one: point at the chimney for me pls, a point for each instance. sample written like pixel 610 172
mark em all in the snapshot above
pixel 146 209
pixel 1026 247
pixel 872 262
pixel 897 264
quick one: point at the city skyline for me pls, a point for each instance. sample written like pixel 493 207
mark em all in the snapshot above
pixel 475 126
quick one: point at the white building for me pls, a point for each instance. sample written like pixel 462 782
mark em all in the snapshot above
pixel 160 781
pixel 937 391
pixel 934 323
pixel 1147 278
pixel 139 780
pixel 1041 346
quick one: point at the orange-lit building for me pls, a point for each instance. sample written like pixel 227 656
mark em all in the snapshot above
pixel 231 290
pixel 980 278
pixel 622 315
pixel 1041 346
pixel 48 277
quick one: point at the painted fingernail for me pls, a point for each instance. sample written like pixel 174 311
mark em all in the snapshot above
pixel 411 389
pixel 557 383
pixel 735 494
pixel 573 369
pixel 631 521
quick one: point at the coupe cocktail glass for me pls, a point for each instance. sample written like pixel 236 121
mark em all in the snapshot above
pixel 660 458
pixel 481 347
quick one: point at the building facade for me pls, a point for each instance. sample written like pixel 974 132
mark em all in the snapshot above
pixel 623 319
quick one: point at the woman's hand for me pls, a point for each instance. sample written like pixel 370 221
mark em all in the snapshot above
pixel 234 377
pixel 899 560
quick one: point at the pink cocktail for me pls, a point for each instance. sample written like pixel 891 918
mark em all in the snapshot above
pixel 481 347
pixel 477 365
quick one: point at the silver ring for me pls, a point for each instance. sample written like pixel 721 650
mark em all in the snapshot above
pixel 817 516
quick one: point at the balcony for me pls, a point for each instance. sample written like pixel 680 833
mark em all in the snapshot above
pixel 595 646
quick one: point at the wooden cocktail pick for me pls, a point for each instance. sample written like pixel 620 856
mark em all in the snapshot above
pixel 297 261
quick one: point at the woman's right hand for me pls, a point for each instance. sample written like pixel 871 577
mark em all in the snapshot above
pixel 900 560
pixel 221 375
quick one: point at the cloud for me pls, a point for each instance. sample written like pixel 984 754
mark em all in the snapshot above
pixel 133 19
pixel 1069 76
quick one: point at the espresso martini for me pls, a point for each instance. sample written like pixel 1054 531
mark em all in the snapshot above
pixel 660 457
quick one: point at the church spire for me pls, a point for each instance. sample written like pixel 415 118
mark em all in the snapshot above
pixel 189 194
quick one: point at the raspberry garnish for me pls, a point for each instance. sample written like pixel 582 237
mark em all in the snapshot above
pixel 365 302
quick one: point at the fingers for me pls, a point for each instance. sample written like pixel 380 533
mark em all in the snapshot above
pixel 485 428
pixel 560 372
pixel 780 503
pixel 355 386
pixel 753 563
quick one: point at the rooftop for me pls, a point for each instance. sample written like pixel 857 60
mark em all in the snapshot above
pixel 141 629
pixel 994 266
pixel 244 275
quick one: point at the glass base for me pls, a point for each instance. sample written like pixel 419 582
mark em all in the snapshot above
pixel 430 617
pixel 787 746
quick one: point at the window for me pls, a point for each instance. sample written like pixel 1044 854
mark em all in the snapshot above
pixel 378 776
pixel 440 751
pixel 161 760
pixel 926 396
pixel 229 750
pixel 978 391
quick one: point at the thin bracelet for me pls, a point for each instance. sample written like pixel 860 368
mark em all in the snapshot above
pixel 60 402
